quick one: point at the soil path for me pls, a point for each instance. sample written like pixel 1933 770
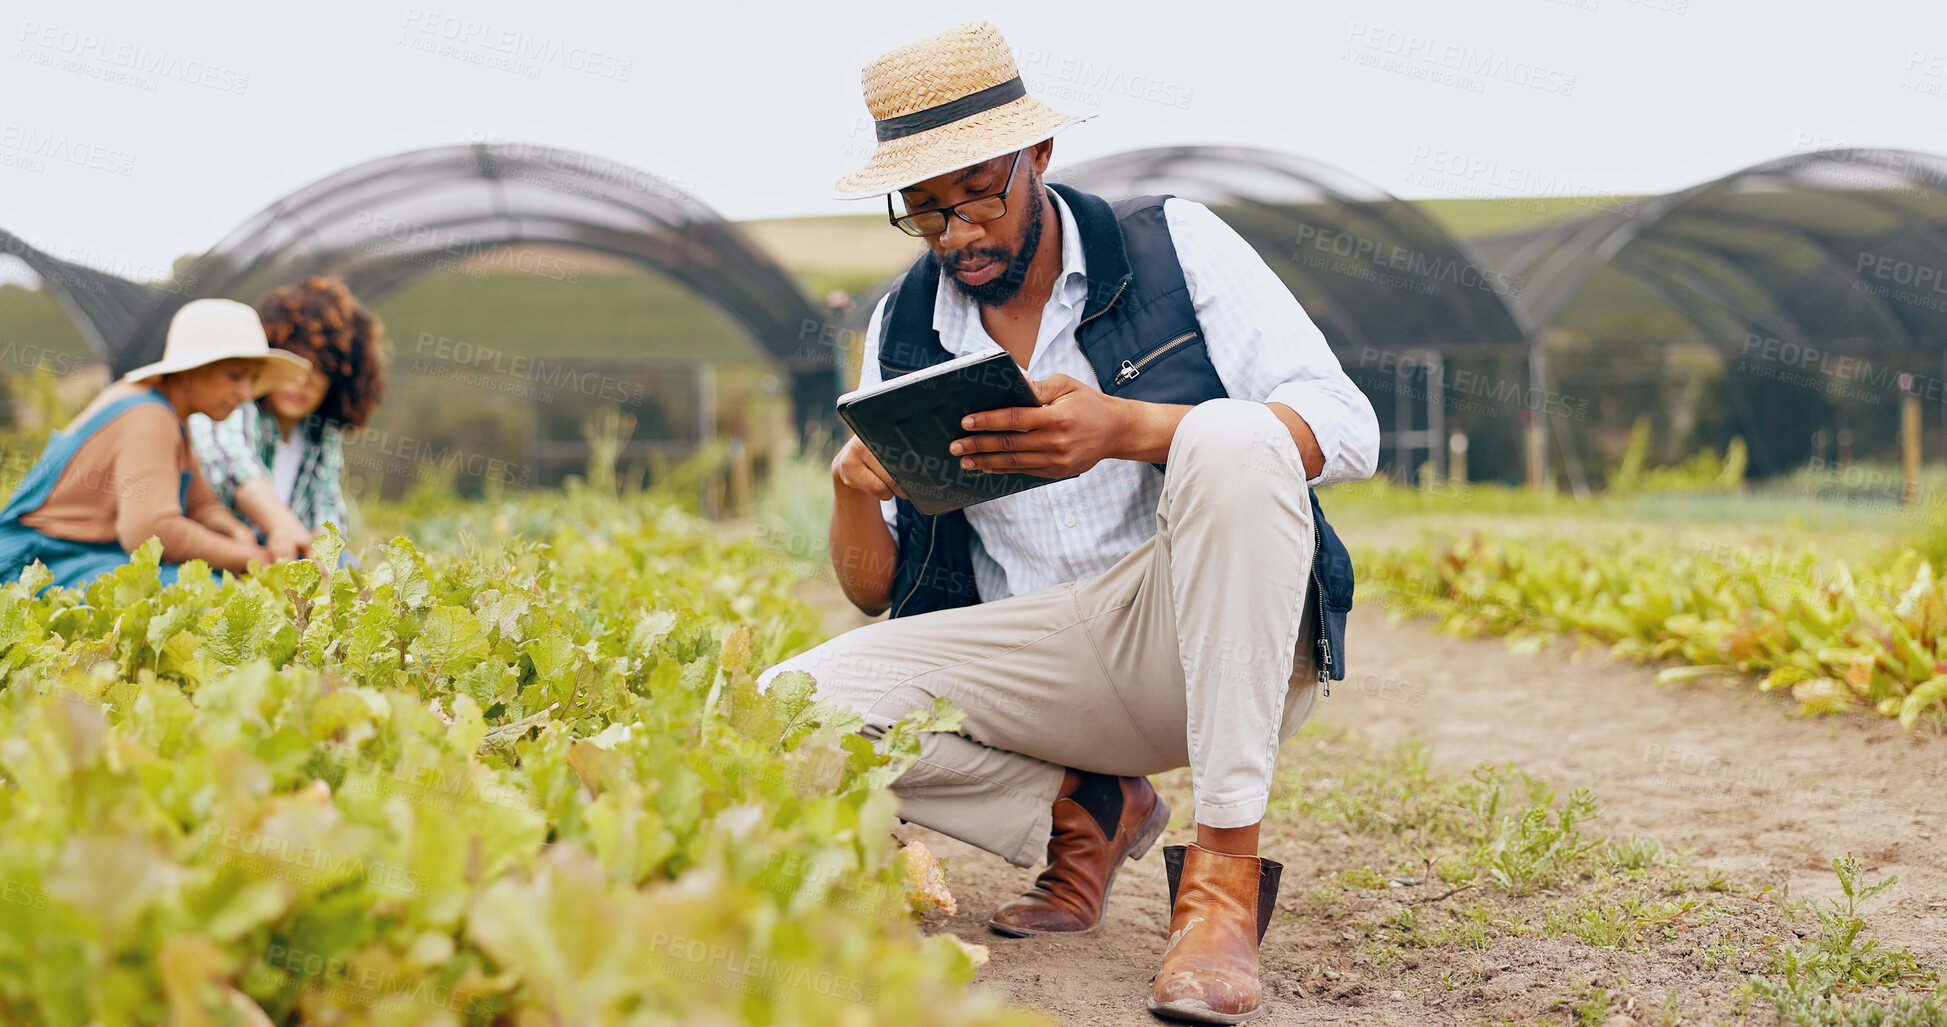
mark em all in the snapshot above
pixel 1730 773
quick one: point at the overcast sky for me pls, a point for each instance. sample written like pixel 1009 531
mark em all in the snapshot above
pixel 131 133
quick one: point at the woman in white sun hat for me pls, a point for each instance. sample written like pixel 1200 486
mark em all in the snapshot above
pixel 123 471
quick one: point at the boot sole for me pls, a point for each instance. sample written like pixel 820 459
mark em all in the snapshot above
pixel 1200 1013
pixel 1152 829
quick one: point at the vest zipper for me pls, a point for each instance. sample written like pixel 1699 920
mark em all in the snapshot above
pixel 1324 640
pixel 932 535
pixel 1131 370
pixel 1119 286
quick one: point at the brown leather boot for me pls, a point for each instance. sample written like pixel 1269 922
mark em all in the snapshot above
pixel 1220 905
pixel 1072 895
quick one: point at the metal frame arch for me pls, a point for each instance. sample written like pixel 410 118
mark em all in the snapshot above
pixel 1270 184
pixel 1562 257
pixel 104 306
pixel 379 223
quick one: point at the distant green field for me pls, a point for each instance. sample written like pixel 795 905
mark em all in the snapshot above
pixel 32 321
pixel 597 316
pixel 1470 217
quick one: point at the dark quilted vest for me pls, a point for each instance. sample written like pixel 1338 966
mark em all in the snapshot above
pixel 1139 332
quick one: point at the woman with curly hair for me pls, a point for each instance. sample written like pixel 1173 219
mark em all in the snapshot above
pixel 278 461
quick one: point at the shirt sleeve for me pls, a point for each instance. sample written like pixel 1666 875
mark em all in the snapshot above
pixel 869 376
pixel 224 451
pixel 1265 347
pixel 147 444
pixel 206 509
pixel 329 499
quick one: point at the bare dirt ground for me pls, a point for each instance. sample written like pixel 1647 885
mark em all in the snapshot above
pixel 1734 775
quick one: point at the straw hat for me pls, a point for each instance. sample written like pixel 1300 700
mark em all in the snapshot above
pixel 944 103
pixel 206 331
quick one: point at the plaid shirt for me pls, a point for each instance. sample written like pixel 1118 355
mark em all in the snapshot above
pixel 1263 345
pixel 242 446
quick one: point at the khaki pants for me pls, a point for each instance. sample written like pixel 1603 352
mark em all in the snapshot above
pixel 1194 650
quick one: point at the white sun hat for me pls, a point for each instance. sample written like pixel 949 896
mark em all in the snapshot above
pixel 944 103
pixel 206 331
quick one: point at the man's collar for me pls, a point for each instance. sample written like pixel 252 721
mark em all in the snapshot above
pixel 1074 263
pixel 1074 267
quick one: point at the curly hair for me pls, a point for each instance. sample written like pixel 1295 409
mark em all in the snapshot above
pixel 320 320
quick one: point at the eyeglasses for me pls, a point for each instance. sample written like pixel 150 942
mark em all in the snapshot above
pixel 977 211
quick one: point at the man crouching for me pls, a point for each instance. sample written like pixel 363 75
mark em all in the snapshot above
pixel 1178 600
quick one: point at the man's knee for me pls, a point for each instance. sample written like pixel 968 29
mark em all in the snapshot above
pixel 769 674
pixel 1223 441
pixel 842 673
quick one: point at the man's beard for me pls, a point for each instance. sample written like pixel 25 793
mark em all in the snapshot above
pixel 1006 285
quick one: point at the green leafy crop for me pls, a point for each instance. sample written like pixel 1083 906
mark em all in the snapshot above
pixel 529 780
pixel 1874 642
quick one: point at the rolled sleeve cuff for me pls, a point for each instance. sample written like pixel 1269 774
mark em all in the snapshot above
pixel 1348 457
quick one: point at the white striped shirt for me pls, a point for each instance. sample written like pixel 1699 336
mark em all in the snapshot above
pixel 1261 342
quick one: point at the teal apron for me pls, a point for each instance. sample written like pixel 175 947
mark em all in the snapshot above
pixel 74 563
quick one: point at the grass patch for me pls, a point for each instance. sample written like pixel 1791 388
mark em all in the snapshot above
pixel 1498 826
pixel 1444 884
pixel 1841 977
pixel 1635 853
